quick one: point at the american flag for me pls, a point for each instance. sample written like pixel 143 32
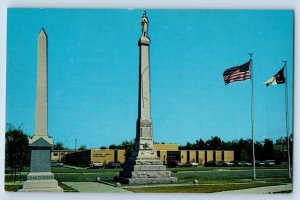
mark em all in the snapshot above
pixel 238 73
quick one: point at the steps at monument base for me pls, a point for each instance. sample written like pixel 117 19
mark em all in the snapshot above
pixel 41 186
pixel 145 174
pixel 56 189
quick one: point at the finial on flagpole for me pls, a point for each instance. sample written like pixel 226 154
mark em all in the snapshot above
pixel 250 54
pixel 284 61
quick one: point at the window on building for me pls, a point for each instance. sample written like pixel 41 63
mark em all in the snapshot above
pixel 158 154
pixel 188 156
pixel 116 155
pixel 173 157
pixel 55 154
pixel 197 156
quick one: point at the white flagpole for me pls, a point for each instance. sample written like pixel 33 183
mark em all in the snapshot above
pixel 287 119
pixel 252 117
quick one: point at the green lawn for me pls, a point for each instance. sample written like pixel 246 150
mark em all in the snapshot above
pixel 9 178
pixel 85 177
pixel 210 179
pixel 245 173
pixel 12 188
pixel 198 188
pixel 71 170
pixel 66 188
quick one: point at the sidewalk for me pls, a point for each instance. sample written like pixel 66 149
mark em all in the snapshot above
pixel 262 190
pixel 95 187
pixel 100 187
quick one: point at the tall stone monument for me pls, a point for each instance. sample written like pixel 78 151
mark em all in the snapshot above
pixel 40 177
pixel 144 167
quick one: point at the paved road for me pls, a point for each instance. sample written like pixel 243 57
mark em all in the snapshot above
pixel 95 187
pixel 262 190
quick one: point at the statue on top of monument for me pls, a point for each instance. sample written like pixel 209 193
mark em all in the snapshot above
pixel 144 24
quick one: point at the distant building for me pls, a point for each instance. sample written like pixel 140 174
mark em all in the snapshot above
pixel 84 158
pixel 169 153
pixel 59 155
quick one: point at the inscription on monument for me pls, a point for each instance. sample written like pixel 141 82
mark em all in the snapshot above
pixel 41 177
pixel 146 132
pixel 146 123
pixel 40 161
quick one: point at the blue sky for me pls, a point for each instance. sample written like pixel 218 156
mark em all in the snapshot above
pixel 93 73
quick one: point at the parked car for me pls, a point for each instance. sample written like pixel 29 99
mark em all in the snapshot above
pixel 179 164
pixel 227 163
pixel 269 163
pixel 260 163
pixel 213 163
pixel 240 163
pixel 188 164
pixel 96 165
pixel 56 164
pixel 247 164
pixel 195 164
pixel 113 165
pixel 209 163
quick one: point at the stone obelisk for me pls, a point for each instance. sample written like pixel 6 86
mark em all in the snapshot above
pixel 40 177
pixel 144 167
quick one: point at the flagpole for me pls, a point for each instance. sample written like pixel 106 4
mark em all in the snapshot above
pixel 252 117
pixel 286 119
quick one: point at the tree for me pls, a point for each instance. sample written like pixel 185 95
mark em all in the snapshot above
pixel 188 146
pixel 82 148
pixel 242 149
pixel 281 150
pixel 268 149
pixel 215 143
pixel 129 147
pixel 112 146
pixel 17 154
pixel 200 144
pixel 59 146
pixel 259 151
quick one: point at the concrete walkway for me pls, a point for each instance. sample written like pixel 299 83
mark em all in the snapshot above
pixel 100 187
pixel 95 187
pixel 262 190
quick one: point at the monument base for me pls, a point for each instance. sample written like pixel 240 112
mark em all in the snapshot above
pixel 40 182
pixel 143 171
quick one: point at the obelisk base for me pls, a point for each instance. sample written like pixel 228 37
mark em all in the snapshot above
pixel 40 182
pixel 40 178
pixel 143 171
